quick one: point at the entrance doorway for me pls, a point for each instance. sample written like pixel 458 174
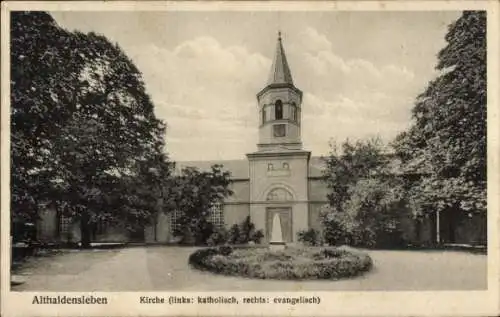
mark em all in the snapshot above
pixel 285 214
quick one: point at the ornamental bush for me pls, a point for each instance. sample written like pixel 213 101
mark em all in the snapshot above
pixel 288 264
pixel 218 237
pixel 372 216
pixel 241 233
pixel 310 237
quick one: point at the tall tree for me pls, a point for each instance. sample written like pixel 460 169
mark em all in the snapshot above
pixel 117 136
pixel 44 71
pixel 106 141
pixel 447 142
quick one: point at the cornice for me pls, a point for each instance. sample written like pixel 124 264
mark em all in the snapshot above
pixel 278 86
pixel 296 153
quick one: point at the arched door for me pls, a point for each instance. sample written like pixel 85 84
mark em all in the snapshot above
pixel 280 196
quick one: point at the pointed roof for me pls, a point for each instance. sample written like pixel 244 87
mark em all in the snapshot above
pixel 280 71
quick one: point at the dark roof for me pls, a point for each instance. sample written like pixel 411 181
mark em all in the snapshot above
pixel 280 71
pixel 316 166
pixel 239 168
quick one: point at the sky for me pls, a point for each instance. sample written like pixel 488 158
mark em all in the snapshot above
pixel 360 71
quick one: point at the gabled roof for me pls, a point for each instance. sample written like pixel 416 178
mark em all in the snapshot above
pixel 316 166
pixel 280 71
pixel 240 170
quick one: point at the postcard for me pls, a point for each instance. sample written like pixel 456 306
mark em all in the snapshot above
pixel 250 158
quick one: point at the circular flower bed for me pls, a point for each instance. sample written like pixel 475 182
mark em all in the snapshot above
pixel 288 264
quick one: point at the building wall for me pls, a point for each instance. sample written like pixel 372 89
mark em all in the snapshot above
pixel 318 190
pixel 409 228
pixel 113 234
pixel 292 179
pixel 47 226
pixel 249 198
pixel 426 232
pixel 237 206
pixel 467 228
pixel 235 213
pixel 74 232
pixel 314 215
pixel 163 228
pixel 473 229
pixel 300 216
pixel 241 191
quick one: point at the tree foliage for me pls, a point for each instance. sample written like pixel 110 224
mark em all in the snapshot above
pixel 44 71
pixel 446 144
pixel 366 202
pixel 84 133
pixel 345 166
pixel 193 194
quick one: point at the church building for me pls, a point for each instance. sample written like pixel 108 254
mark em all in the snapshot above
pixel 280 177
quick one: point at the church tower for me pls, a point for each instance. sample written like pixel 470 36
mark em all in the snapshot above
pixel 279 169
pixel 279 107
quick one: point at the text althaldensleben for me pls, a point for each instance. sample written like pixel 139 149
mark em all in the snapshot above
pixel 56 300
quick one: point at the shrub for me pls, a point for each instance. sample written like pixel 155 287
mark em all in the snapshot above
pixel 234 234
pixel 225 250
pixel 244 232
pixel 292 263
pixel 202 231
pixel 218 237
pixel 338 227
pixel 330 253
pixel 377 207
pixel 311 237
pixel 257 236
pixel 371 217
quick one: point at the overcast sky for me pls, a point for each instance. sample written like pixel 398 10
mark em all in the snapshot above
pixel 360 71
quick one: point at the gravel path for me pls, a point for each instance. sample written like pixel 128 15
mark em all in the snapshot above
pixel 166 269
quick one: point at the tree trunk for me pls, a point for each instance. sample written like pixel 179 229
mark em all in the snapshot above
pixel 85 230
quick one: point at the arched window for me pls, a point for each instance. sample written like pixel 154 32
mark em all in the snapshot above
pixel 278 110
pixel 270 167
pixel 279 194
pixel 294 112
pixel 263 115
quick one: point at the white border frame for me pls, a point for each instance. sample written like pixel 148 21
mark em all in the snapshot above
pixel 390 303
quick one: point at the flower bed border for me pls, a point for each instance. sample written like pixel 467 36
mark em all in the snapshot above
pixel 339 263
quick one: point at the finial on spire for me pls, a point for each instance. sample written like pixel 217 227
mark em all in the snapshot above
pixel 280 71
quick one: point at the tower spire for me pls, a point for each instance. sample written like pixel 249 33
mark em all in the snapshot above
pixel 280 71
